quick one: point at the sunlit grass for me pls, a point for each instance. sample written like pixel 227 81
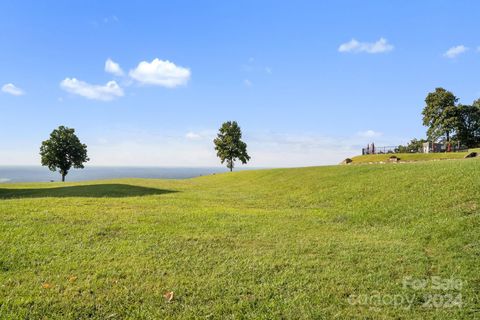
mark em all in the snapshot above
pixel 409 157
pixel 283 243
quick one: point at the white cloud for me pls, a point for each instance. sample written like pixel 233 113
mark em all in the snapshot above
pixel 293 150
pixel 303 149
pixel 113 67
pixel 113 18
pixel 106 92
pixel 193 136
pixel 455 51
pixel 247 83
pixel 266 150
pixel 142 148
pixel 355 46
pixel 10 88
pixel 369 134
pixel 205 135
pixel 161 73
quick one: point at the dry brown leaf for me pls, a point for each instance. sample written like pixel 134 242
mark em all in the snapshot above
pixel 168 296
pixel 72 278
pixel 46 285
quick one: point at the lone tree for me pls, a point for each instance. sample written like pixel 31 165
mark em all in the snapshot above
pixel 63 151
pixel 229 145
pixel 440 114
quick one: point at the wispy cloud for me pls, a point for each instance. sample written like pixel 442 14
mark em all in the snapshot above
pixel 106 92
pixel 193 136
pixel 112 18
pixel 204 135
pixel 113 67
pixel 354 46
pixel 266 150
pixel 455 51
pixel 10 88
pixel 160 72
pixel 369 134
pixel 140 146
pixel 104 21
pixel 247 83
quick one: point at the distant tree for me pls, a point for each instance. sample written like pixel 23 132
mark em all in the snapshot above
pixel 440 114
pixel 414 146
pixel 63 151
pixel 468 125
pixel 229 145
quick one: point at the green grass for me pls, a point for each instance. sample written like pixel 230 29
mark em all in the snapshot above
pixel 375 158
pixel 267 244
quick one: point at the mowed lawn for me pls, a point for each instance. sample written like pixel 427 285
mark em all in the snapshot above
pixel 409 157
pixel 307 243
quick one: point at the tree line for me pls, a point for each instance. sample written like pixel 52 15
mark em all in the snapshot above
pixel 64 151
pixel 446 119
pixel 448 122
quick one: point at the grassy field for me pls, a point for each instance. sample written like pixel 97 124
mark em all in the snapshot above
pixel 365 242
pixel 409 157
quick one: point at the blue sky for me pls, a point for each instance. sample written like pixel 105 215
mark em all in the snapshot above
pixel 309 82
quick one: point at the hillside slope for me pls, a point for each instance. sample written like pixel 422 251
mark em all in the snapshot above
pixel 319 242
pixel 409 157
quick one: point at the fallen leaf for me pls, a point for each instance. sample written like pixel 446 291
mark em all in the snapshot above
pixel 46 285
pixel 72 278
pixel 168 296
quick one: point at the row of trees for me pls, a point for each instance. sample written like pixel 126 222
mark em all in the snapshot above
pixel 448 122
pixel 451 122
pixel 64 151
pixel 414 146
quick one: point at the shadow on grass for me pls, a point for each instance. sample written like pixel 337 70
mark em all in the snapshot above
pixel 88 191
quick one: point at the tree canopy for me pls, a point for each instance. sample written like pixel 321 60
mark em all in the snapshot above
pixel 468 126
pixel 229 145
pixel 63 151
pixel 440 114
pixel 450 121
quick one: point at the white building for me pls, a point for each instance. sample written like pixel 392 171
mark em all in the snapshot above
pixel 429 147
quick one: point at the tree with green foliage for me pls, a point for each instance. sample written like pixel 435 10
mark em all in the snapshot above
pixel 229 145
pixel 440 114
pixel 468 125
pixel 63 151
pixel 414 146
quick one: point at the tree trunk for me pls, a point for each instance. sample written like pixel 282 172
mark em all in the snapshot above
pixel 448 141
pixel 63 177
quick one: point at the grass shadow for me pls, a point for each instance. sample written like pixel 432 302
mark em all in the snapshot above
pixel 88 191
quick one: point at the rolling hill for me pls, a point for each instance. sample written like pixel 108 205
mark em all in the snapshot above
pixel 309 243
